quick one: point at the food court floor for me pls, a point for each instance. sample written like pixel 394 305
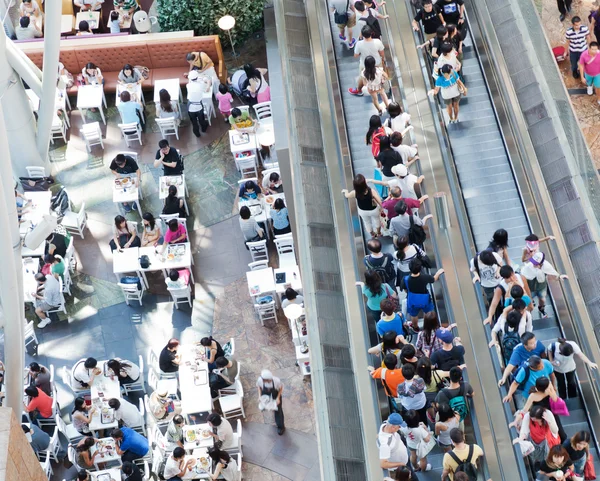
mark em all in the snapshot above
pixel 101 325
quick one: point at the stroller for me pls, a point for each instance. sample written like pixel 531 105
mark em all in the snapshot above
pixel 239 85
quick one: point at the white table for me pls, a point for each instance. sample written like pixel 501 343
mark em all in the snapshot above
pixel 106 455
pixel 261 282
pixel 128 193
pixel 109 388
pixel 114 473
pixel 66 23
pixel 201 441
pixel 31 267
pixel 236 148
pixel 135 90
pixel 166 181
pixel 193 381
pixel 38 207
pixel 126 261
pixel 60 103
pixel 199 471
pixel 160 262
pixel 91 97
pixel 91 17
pixel 290 281
pixel 170 85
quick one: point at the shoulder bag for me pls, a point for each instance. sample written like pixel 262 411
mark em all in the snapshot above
pixel 341 18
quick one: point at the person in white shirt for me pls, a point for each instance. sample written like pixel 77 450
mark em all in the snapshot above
pixel 221 430
pixel 84 372
pixel 126 412
pixel 485 267
pixel 367 47
pixel 176 467
pixel 195 92
pixel 518 318
pixel 50 299
pixel 392 451
pixel 399 120
pixel 409 184
pixel 85 5
pixel 27 29
pixel 536 271
pixel 562 356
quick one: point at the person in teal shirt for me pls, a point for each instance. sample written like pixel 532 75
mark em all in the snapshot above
pixel 130 111
pixel 375 290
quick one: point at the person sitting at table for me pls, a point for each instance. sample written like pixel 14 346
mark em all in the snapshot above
pixel 126 371
pixel 22 203
pixel 85 5
pixel 30 8
pixel 250 190
pixel 38 439
pixel 126 7
pixel 82 416
pixel 174 432
pixel 129 75
pixel 54 265
pixel 84 373
pixel 39 376
pixel 126 413
pixel 27 29
pixel 131 112
pixel 83 475
pixel 130 444
pixel 238 115
pixel 50 299
pixel 173 204
pixel 222 432
pixel 57 244
pixel 223 375
pixel 169 158
pixel 195 93
pixel 176 233
pixel 167 108
pixel 124 234
pixel 114 24
pixel 291 297
pixel 151 235
pixel 125 166
pixel 169 359
pixel 40 404
pixel 251 231
pixel 176 466
pixel 226 467
pixel 273 184
pixel 214 350
pixel 84 28
pixel 162 407
pixel 92 75
pixel 280 218
pixel 178 278
pixel 85 459
pixel 131 472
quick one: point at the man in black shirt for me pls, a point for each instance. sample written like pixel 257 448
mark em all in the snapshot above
pixel 430 17
pixel 453 11
pixel 387 159
pixel 124 166
pixel 418 297
pixel 169 158
pixel 131 472
pixel 168 360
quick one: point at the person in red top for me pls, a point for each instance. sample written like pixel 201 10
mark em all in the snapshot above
pixel 590 69
pixel 395 197
pixel 38 401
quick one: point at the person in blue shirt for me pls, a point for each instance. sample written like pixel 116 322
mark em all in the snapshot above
pixel 526 377
pixel 130 444
pixel 279 215
pixel 529 346
pixel 130 111
pixel 250 190
pixel 390 320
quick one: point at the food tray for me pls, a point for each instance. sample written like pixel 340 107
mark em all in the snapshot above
pixel 240 138
pixel 191 436
pixel 103 477
pixel 200 378
pixel 177 250
pixel 173 180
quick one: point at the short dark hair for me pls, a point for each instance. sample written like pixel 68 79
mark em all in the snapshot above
pixel 366 32
pixel 274 177
pixel 127 467
pixel 114 15
pixel 163 143
pixel 178 452
pixel 457 436
pixel 518 304
pixel 190 56
pixel 223 89
pixel 290 294
pixel 575 19
pixel 527 336
pixel 415 267
pixel 35 367
pixel 114 403
pixel 31 391
pixel 488 258
pixel 235 112
pixel 245 212
pixel 116 433
pixel 90 363
pixel 593 44
pixel 390 361
pixel 506 272
pixel 387 306
pixel 178 419
pixel 456 374
pixel 408 371
pixel 359 5
pixel 125 96
pixel 516 292
pixel 400 207
pixel 214 419
pixel 120 159
pixel 39 277
pixel 82 474
pixel 446 48
pixel 221 362
pixel 84 26
pixel 173 343
pixel 24 21
pixel 374 245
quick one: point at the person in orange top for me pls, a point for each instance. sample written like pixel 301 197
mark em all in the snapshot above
pixel 389 375
pixel 38 401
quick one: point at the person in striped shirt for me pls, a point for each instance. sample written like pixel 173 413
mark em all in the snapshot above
pixel 577 38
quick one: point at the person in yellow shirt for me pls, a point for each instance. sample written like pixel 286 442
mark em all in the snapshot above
pixel 463 454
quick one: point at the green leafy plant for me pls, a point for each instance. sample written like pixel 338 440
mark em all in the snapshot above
pixel 202 17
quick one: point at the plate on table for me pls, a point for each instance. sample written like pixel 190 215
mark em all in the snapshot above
pixel 190 436
pixel 170 257
pixel 269 199
pixel 205 434
pixel 193 462
pixel 204 462
pixel 126 182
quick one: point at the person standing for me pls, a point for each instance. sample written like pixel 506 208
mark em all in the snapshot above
pixel 345 18
pixel 564 7
pixel 272 387
pixel 577 37
pixel 461 454
pixel 367 47
pixel 451 86
pixel 537 270
pixel 589 64
pixel 561 355
pixel 369 204
pixel 392 451
pixel 431 19
pixel 195 93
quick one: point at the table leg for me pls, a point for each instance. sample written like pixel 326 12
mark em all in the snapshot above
pixel 142 275
pixel 192 275
pixel 68 101
pixel 187 211
pixel 83 117
pixel 118 278
pixel 66 118
pixel 104 100
pixel 180 95
pixel 102 114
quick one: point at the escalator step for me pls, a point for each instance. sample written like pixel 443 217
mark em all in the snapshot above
pixel 576 416
pixel 574 404
pixel 547 335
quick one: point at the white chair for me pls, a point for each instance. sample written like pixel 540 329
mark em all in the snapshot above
pixel 232 404
pixel 68 282
pixel 285 251
pixel 266 312
pixel 67 379
pixel 258 250
pixel 68 430
pixel 231 389
pixel 47 468
pixel 132 132
pixel 62 307
pixel 157 422
pixel 51 368
pixel 51 421
pixel 181 295
pixel 54 446
pixel 35 172
pixel 209 109
pixel 153 363
pixel 237 440
pixel 239 463
pixel 168 217
pixel 75 222
pixel 92 135
pixel 247 166
pixel 168 127
pixel 70 260
pixel 258 265
pixel 138 385
pixel 263 112
pixel 141 428
pixel 72 456
pixel 30 336
pixel 146 471
pixel 133 292
pixel 157 384
pixel 58 130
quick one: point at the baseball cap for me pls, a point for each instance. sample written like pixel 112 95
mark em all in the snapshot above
pixel 193 75
pixel 445 335
pixel 395 419
pixel 400 170
pixel 537 259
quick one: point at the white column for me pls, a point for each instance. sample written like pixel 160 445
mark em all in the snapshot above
pixel 49 75
pixel 11 280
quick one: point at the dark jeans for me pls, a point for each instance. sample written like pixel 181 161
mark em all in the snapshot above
pixel 198 120
pixel 286 230
pixel 216 385
pixel 123 239
pixel 129 456
pixel 563 5
pixel 567 384
pixel 279 420
pixel 574 59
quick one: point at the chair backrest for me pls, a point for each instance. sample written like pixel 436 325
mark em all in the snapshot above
pixel 168 123
pixel 167 217
pixel 81 215
pixel 51 367
pixel 263 110
pixel 152 379
pixel 130 130
pixel 91 131
pixel 35 172
pixel 29 332
pixel 130 289
pixel 244 108
pixel 239 389
pixel 66 376
pixel 141 366
pixel 60 424
pixel 266 311
pixel 70 252
pixel 54 441
pixel 178 293
pixel 248 164
pixel 267 173
pixel 239 461
pixel 284 245
pixel 232 347
pixel 157 459
pixel 147 470
pixel 152 359
pixel 253 179
pixel 258 250
pixel 258 265
pixel 141 406
pixel 72 455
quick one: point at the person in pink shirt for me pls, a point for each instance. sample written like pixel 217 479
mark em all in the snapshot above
pixel 176 233
pixel 395 197
pixel 590 69
pixel 224 98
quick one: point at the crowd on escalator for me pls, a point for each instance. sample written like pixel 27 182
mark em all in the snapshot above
pixel 420 361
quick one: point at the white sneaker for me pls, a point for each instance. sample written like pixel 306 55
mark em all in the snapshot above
pixel 44 323
pixel 428 468
pixel 590 90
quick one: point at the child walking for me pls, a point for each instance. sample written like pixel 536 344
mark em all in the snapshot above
pixel 375 78
pixel 225 99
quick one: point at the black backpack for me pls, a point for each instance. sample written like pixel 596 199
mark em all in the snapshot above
pixel 386 270
pixel 465 466
pixel 372 22
pixel 510 340
pixel 416 233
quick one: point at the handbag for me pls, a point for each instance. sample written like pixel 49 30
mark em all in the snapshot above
pixel 424 258
pixel 424 448
pixel 462 88
pixel 589 472
pixel 526 447
pixel 559 407
pixel 341 18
